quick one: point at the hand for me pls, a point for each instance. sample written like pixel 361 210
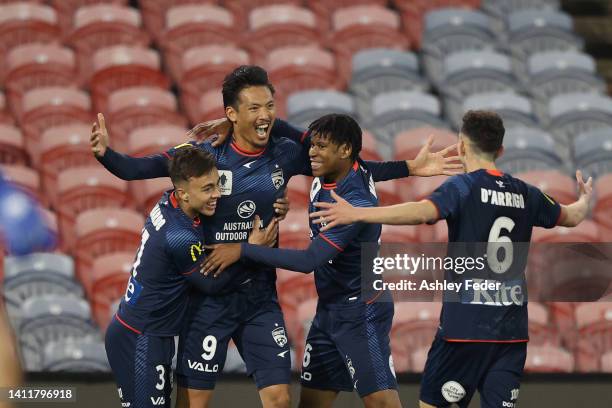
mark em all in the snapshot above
pixel 584 189
pixel 222 256
pixel 99 137
pixel 340 212
pixel 220 127
pixel 264 237
pixel 281 207
pixel 427 164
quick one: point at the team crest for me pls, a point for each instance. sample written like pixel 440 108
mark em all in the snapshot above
pixel 225 182
pixel 279 336
pixel 277 178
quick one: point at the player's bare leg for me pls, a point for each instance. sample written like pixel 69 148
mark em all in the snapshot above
pixel 382 399
pixel 275 396
pixel 425 405
pixel 190 398
pixel 311 398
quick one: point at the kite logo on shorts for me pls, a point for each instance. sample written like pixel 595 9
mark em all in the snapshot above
pixel 279 336
pixel 452 391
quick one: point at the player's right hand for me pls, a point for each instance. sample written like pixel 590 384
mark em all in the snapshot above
pixel 220 127
pixel 584 189
pixel 99 137
pixel 264 237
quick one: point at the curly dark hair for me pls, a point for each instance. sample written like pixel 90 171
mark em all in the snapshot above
pixel 240 78
pixel 341 129
pixel 485 129
pixel 190 161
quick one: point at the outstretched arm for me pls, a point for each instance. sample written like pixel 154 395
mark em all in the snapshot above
pixel 574 213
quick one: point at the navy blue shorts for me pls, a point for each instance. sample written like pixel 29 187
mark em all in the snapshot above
pixel 454 371
pixel 348 348
pixel 141 365
pixel 254 321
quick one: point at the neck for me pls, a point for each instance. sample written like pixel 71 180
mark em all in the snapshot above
pixel 474 163
pixel 342 172
pixel 243 143
pixel 190 212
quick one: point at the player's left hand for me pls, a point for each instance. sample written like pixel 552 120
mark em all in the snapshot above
pixel 220 127
pixel 427 164
pixel 332 214
pixel 281 207
pixel 222 256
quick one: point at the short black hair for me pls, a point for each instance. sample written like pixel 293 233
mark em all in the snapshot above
pixel 189 161
pixel 485 129
pixel 341 129
pixel 243 77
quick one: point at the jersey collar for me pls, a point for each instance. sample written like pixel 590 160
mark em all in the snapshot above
pixel 332 186
pixel 174 203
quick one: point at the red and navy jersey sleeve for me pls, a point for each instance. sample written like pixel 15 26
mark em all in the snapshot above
pixel 543 210
pixel 340 236
pixel 447 198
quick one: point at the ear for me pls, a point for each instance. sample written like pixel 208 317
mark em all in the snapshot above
pixel 181 194
pixel 231 114
pixel 345 151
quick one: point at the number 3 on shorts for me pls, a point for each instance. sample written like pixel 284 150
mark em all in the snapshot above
pixel 209 344
pixel 161 370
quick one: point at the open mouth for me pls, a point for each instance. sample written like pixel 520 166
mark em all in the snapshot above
pixel 212 205
pixel 315 165
pixel 262 129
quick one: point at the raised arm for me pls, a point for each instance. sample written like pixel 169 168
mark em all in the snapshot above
pixel 574 213
pixel 123 166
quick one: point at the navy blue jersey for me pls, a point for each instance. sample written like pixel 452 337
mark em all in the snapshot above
pixel 487 206
pixel 170 253
pixel 340 278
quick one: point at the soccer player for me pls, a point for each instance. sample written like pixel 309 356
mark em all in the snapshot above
pixel 254 164
pixel 348 343
pixel 140 339
pixel 479 345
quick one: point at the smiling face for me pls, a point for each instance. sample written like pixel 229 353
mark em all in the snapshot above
pixel 328 159
pixel 200 194
pixel 252 117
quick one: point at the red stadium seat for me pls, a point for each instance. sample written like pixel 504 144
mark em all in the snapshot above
pixel 12 149
pixel 147 193
pixel 191 25
pixel 23 23
pixel 32 66
pixel 563 317
pixel 300 68
pixel 103 231
pixel 242 9
pixel 203 68
pixel 399 234
pixel 83 188
pixel 602 211
pixel 327 7
pixel 296 291
pixel 154 13
pixel 408 144
pixel 60 148
pixel 559 186
pixel 106 282
pixel 51 220
pixel 208 107
pixel 414 325
pixel 369 151
pixel 48 107
pixel 360 27
pixel 388 192
pixel 606 362
pixel 294 230
pixel 5 116
pixel 586 231
pixel 541 329
pixel 422 187
pixel 122 67
pixel 418 358
pixel 594 322
pixel 156 139
pixel 277 26
pixel 135 107
pixel 298 191
pixel 104 25
pixel 24 178
pixel 548 359
pixel 67 8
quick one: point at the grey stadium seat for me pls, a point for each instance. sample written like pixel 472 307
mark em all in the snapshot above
pixel 515 110
pixel 501 8
pixel 528 149
pixel 35 275
pixel 75 355
pixel 593 151
pixel 451 30
pixel 304 107
pixel 394 112
pixel 533 31
pixel 50 318
pixel 573 114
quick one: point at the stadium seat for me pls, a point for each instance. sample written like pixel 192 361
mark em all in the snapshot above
pixel 106 282
pixel 548 359
pixel 576 113
pixel 305 315
pixel 418 358
pixel 295 230
pixel 33 66
pixel 515 110
pixel 593 151
pixel 155 139
pixel 602 210
pixel 209 106
pixel 139 106
pixel 75 356
pixel 606 362
pixel 594 322
pixel 369 146
pixel 154 13
pixel 195 25
pixel 148 192
pixel 407 144
pixel 12 149
pixel 105 230
pixel 414 325
pixel 67 8
pixel 395 234
pixel 83 188
pixel 5 116
pixel 48 107
pixel 294 69
pixel 532 31
pixel 122 67
pixel 422 187
pixel 298 192
pixel 388 192
pixel 360 27
pixel 528 149
pixel 586 231
pixel 203 69
pixel 24 178
pixel 280 25
pixel 556 184
pixel 541 329
pixel 306 106
pixel 398 111
pixel 328 7
pixel 24 23
pixel 501 8
pixel 99 26
pixel 451 30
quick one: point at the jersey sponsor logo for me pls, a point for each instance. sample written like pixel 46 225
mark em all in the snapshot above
pixel 225 182
pixel 315 188
pixel 507 293
pixel 133 291
pixel 502 199
pixel 279 336
pixel 277 178
pixel 204 368
pixel 246 209
pixel 157 218
pixel 158 401
pixel 249 164
pixel 195 249
pixel 452 391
